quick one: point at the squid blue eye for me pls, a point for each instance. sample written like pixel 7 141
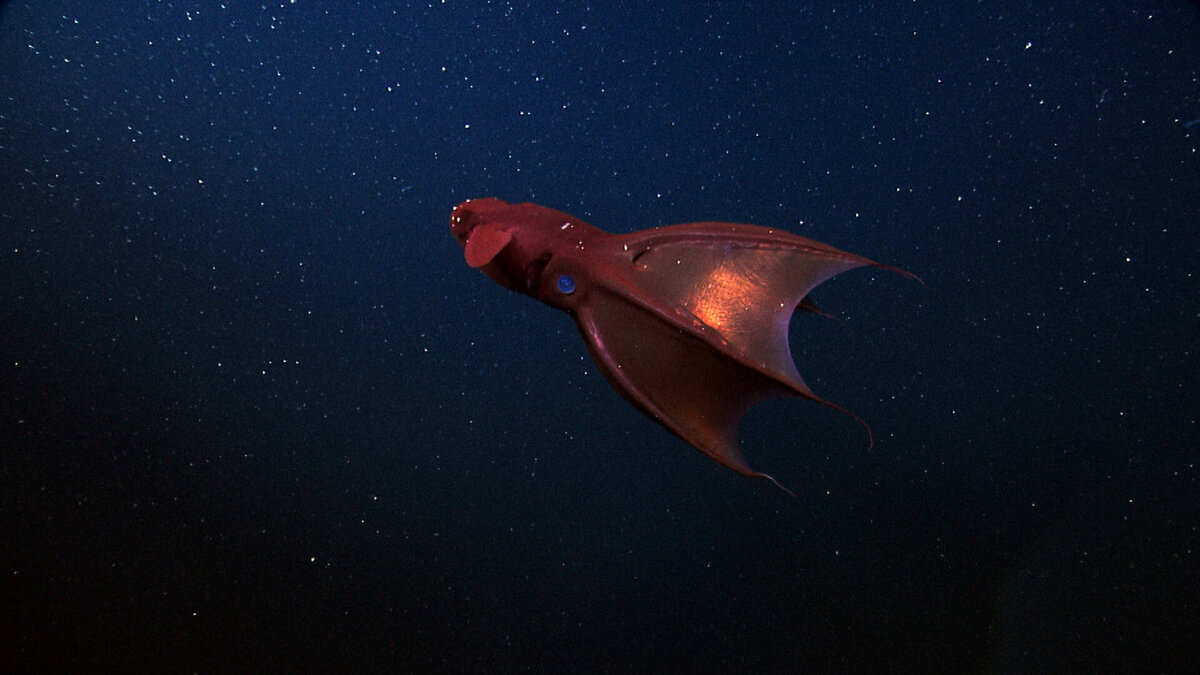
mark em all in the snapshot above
pixel 566 284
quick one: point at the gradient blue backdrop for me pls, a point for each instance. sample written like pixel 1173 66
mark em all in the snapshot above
pixel 256 412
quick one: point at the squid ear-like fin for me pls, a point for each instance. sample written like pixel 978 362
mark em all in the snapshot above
pixel 484 244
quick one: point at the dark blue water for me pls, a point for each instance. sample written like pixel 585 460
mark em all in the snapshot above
pixel 257 412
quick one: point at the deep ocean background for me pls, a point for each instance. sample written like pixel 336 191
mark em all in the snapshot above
pixel 257 412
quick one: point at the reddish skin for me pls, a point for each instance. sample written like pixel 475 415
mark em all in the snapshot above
pixel 688 322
